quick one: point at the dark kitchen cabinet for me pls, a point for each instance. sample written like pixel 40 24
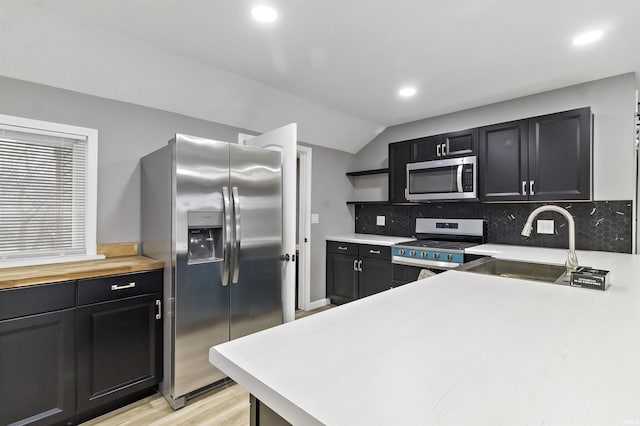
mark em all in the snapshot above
pixel 399 157
pixel 560 156
pixel 357 270
pixel 374 270
pixel 503 161
pixel 342 279
pixel 447 145
pixel 38 354
pixel 119 337
pixel 71 350
pixel 545 158
pixel 427 148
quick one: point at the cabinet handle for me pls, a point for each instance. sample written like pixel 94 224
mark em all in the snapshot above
pixel 444 149
pixel 355 265
pixel 360 266
pixel 342 248
pixel 374 251
pixel 122 287
pixel 524 187
pixel 438 147
pixel 531 187
pixel 159 311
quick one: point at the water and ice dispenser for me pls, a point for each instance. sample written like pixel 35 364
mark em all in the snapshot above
pixel 205 237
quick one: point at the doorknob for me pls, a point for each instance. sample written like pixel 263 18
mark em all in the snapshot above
pixel 285 257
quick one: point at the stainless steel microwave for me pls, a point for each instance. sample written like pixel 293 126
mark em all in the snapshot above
pixel 450 179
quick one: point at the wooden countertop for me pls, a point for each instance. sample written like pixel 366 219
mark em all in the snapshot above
pixel 40 274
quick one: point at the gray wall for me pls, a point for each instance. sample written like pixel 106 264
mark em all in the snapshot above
pixel 330 190
pixel 126 132
pixel 612 102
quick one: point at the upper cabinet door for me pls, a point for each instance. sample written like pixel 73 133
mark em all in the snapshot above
pixel 502 162
pixel 425 149
pixel 560 156
pixel 453 144
pixel 399 156
pixel 464 142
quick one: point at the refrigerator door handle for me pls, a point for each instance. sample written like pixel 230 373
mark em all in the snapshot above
pixel 226 237
pixel 236 243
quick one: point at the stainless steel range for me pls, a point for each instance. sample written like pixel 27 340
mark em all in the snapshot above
pixel 441 245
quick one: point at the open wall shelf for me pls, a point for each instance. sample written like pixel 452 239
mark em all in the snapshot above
pixel 368 172
pixel 382 203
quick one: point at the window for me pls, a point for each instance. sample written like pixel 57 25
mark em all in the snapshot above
pixel 47 192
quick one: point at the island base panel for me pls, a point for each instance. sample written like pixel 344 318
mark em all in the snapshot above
pixel 262 415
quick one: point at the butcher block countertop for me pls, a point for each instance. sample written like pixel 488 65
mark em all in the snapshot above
pixel 41 274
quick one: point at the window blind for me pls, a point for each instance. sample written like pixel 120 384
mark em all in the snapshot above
pixel 43 194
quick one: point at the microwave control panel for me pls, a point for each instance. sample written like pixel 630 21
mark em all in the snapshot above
pixel 467 178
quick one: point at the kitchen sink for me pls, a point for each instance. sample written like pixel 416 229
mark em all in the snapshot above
pixel 515 269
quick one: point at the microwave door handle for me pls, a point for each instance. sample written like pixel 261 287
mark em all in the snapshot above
pixel 459 177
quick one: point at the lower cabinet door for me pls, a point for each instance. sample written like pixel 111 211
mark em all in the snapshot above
pixel 37 368
pixel 119 349
pixel 375 276
pixel 341 278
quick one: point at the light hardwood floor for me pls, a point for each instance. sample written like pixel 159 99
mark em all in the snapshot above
pixel 227 405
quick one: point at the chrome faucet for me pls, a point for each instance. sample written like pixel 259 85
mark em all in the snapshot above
pixel 572 259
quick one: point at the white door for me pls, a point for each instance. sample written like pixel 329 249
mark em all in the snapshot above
pixel 285 140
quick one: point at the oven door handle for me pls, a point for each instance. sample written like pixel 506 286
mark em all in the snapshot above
pixel 459 177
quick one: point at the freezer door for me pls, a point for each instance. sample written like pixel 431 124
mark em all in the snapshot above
pixel 201 308
pixel 256 282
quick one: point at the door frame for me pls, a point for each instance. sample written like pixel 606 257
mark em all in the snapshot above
pixel 304 228
pixel 304 153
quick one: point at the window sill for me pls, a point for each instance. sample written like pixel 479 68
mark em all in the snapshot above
pixel 48 260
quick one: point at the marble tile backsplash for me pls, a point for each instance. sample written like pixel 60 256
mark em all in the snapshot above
pixel 600 225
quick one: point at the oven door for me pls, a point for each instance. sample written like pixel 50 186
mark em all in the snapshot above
pixel 403 274
pixel 450 179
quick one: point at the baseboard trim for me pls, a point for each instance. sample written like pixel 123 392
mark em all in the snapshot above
pixel 318 304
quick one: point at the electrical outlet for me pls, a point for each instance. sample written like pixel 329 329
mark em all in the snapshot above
pixel 544 227
pixel 315 218
pixel 380 220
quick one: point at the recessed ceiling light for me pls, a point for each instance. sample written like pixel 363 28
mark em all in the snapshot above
pixel 588 37
pixel 407 92
pixel 264 13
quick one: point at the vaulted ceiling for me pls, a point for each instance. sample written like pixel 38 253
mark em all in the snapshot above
pixel 332 66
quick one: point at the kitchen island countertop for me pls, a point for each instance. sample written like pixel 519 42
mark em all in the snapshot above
pixel 458 348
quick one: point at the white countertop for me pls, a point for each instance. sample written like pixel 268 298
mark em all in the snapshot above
pixel 379 240
pixel 458 348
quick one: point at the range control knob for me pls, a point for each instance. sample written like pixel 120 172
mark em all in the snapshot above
pixel 401 252
pixel 423 254
pixel 436 255
pixel 449 257
pixel 412 253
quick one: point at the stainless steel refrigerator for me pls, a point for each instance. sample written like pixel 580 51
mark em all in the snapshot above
pixel 212 211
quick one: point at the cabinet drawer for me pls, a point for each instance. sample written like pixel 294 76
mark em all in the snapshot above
pixel 377 252
pixel 36 299
pixel 342 248
pixel 94 290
